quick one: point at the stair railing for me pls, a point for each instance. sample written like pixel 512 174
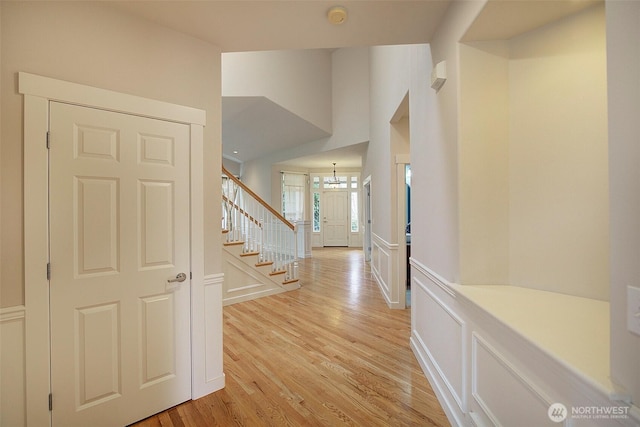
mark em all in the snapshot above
pixel 263 231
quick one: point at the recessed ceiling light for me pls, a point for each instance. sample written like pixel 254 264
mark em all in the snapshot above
pixel 235 151
pixel 337 15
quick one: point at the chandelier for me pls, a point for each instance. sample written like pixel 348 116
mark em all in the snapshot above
pixel 335 180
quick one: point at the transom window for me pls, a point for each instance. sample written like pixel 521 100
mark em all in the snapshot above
pixel 340 182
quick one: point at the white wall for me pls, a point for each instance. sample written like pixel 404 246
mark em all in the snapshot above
pixel 350 116
pixel 389 74
pixel 434 147
pixel 623 61
pixel 93 44
pixel 232 166
pixel 350 94
pixel 533 159
pixel 558 182
pixel 484 163
pixel 297 80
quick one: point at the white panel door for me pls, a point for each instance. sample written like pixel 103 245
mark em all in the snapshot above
pixel 119 215
pixel 336 218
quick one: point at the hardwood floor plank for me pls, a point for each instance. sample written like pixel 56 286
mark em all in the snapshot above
pixel 328 354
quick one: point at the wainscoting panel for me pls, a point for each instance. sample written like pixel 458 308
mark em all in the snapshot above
pixel 384 266
pixel 13 402
pixel 214 375
pixel 487 372
pixel 441 337
pixel 316 240
pixel 502 394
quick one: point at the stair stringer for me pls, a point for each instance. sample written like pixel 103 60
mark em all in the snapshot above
pixel 244 281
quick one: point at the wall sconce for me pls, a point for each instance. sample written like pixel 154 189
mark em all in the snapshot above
pixel 438 75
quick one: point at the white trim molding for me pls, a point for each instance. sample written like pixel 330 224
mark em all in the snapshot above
pixel 36 257
pixel 433 276
pixel 88 96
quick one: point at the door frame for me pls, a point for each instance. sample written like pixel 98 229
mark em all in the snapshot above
pixel 402 160
pixel 366 244
pixel 37 93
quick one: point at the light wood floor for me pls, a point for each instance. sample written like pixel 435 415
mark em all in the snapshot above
pixel 328 354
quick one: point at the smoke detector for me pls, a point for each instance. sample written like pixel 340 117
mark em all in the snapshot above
pixel 337 15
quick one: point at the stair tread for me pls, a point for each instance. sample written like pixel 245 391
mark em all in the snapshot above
pixel 260 264
pixel 233 243
pixel 286 282
pixel 275 273
pixel 244 254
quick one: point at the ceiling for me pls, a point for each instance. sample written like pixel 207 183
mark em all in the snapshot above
pixel 503 19
pixel 255 126
pixel 242 25
pixel 349 157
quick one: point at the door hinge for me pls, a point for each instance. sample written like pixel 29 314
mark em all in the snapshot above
pixel 50 402
pixel 48 271
pixel 48 140
pixel 190 275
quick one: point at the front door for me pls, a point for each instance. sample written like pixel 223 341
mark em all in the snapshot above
pixel 119 221
pixel 336 218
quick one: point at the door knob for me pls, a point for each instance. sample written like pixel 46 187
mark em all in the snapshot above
pixel 181 277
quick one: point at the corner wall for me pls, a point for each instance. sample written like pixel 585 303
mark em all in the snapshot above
pixel 389 84
pixel 434 147
pixel 623 67
pixel 390 76
pixel 349 75
pixel 437 333
pixel 533 159
pixel 558 171
pixel 282 76
pixel 484 163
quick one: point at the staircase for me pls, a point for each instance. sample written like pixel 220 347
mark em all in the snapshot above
pixel 260 245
